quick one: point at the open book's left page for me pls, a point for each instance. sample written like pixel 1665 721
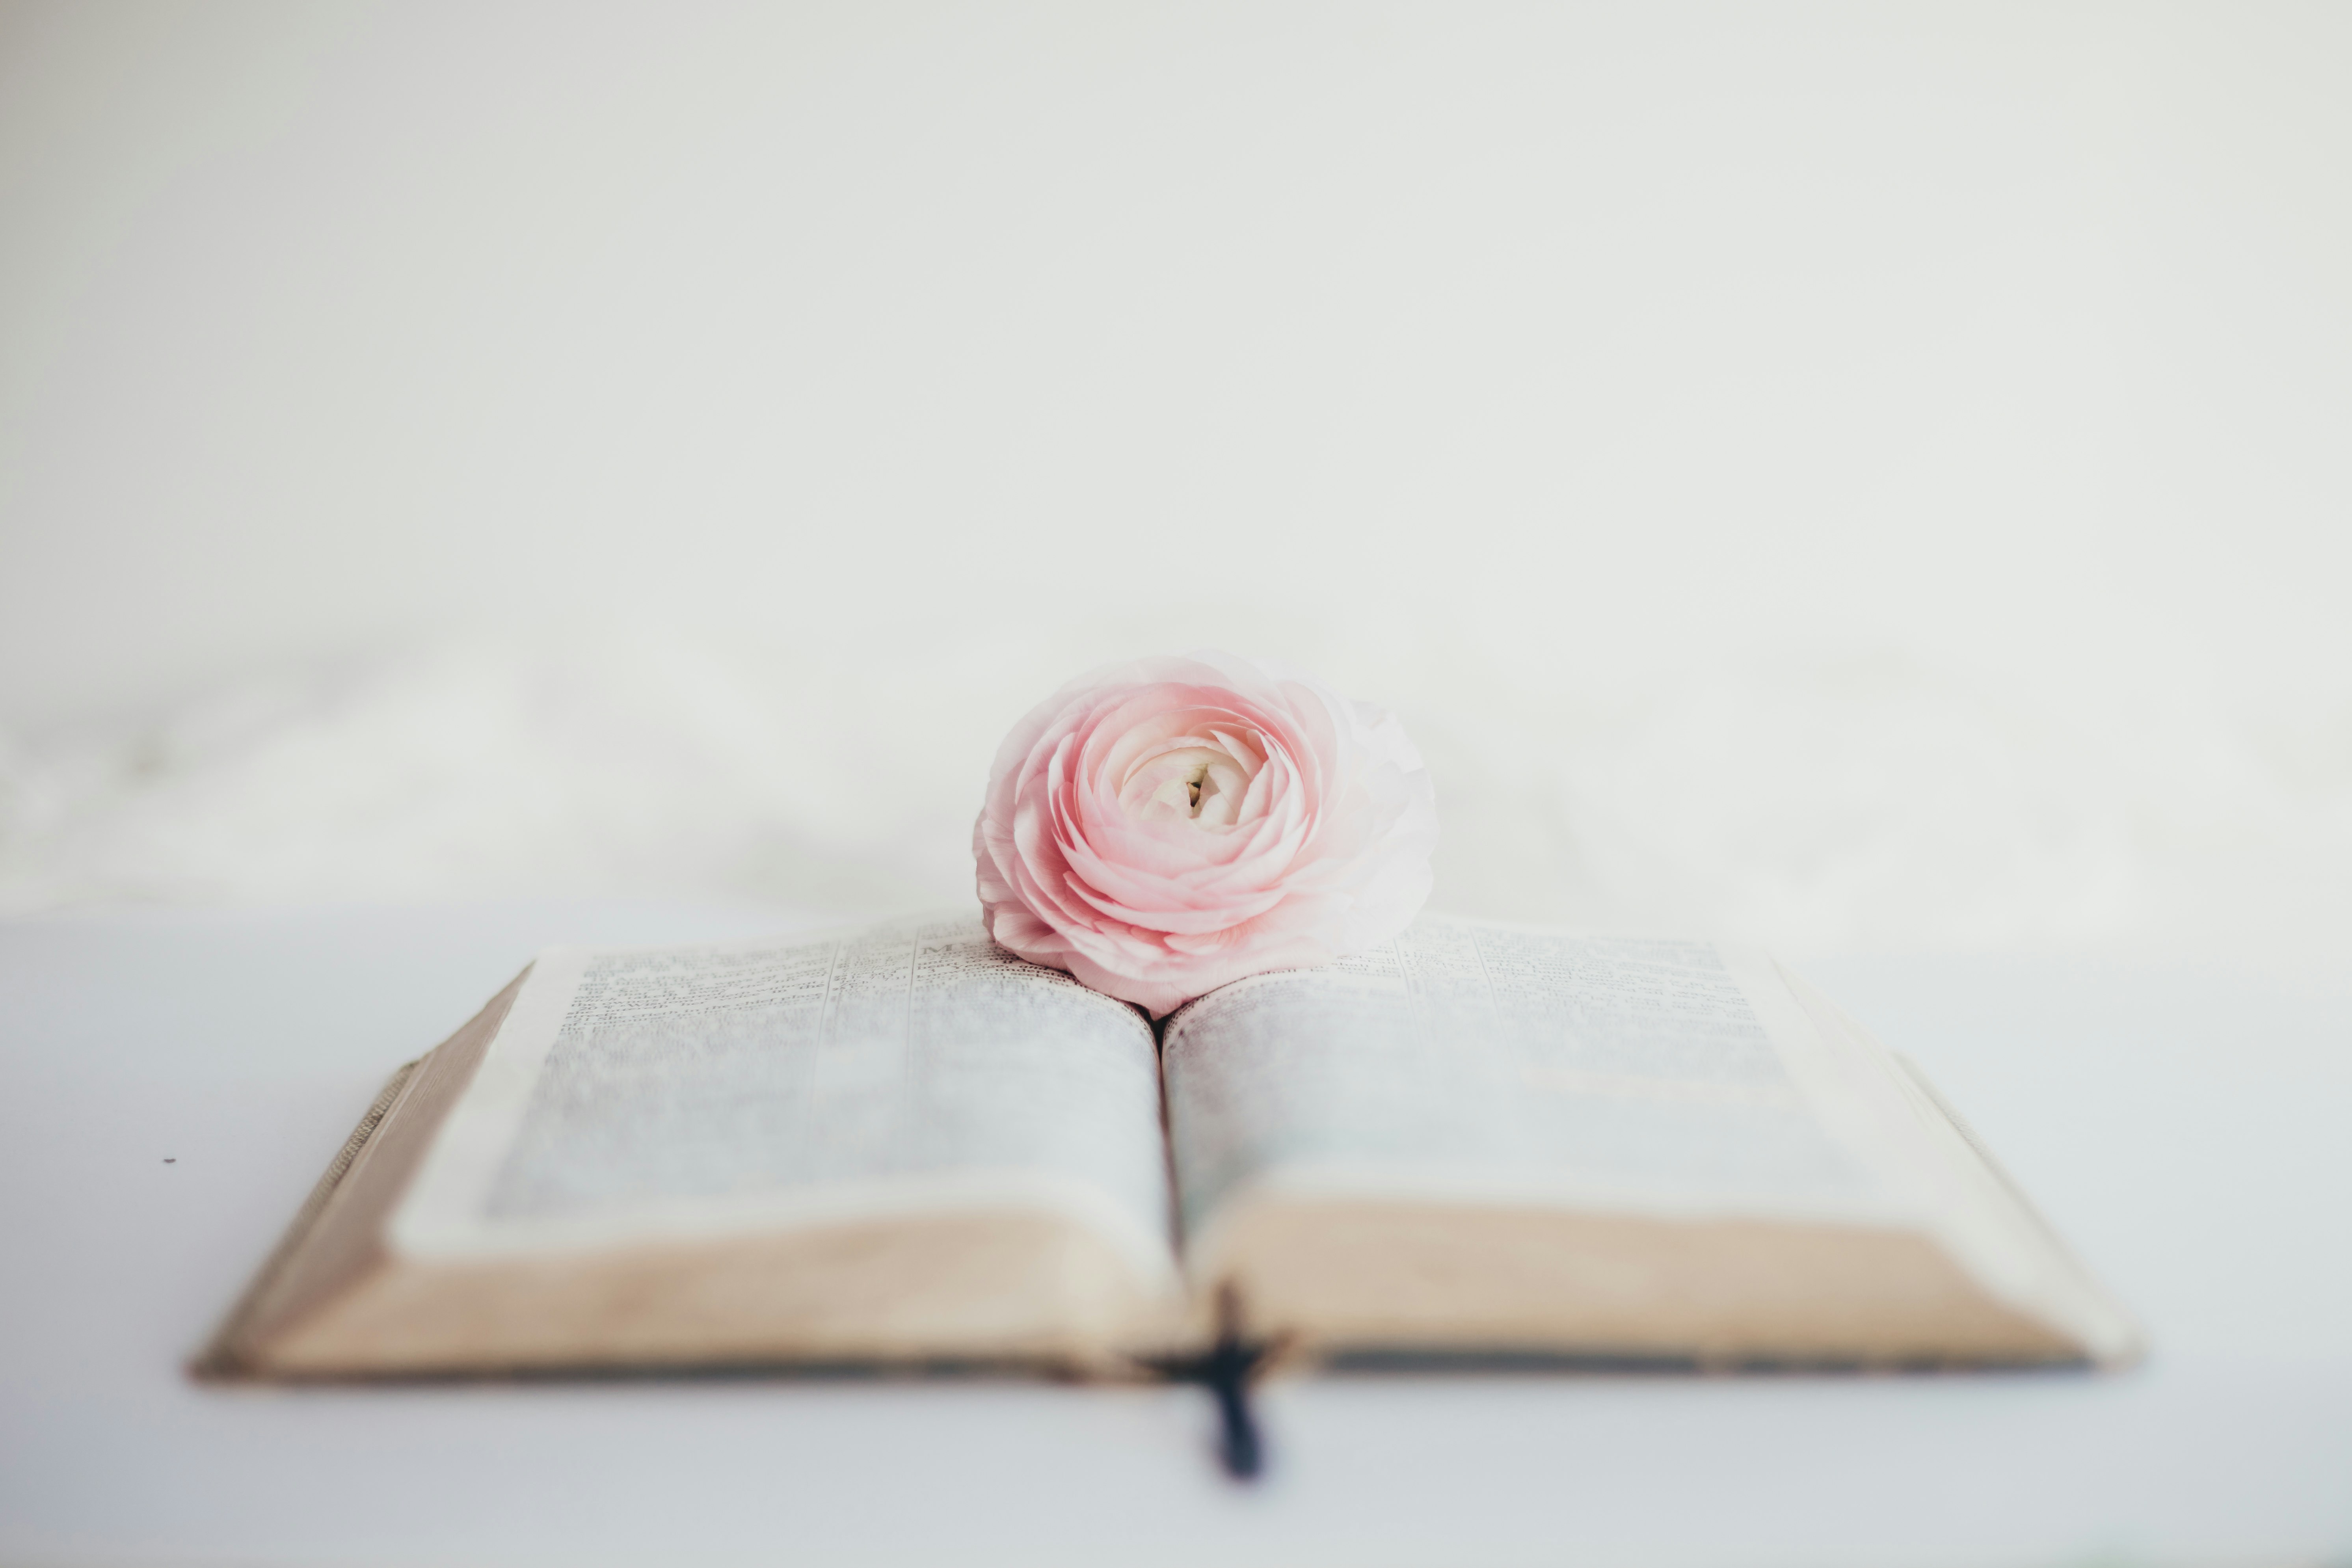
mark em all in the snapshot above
pixel 676 1090
pixel 895 1141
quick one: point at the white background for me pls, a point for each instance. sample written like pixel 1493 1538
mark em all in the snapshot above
pixel 1869 479
pixel 1853 477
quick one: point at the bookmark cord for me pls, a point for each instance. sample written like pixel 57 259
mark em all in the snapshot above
pixel 1225 1372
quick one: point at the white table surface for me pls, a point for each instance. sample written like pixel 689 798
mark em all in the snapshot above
pixel 2191 1133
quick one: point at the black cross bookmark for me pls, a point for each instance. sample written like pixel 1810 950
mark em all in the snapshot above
pixel 1225 1372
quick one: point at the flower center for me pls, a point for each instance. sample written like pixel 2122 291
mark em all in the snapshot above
pixel 1199 782
pixel 1203 784
pixel 1189 791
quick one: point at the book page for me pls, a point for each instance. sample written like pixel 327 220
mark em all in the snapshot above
pixel 1493 1063
pixel 660 1092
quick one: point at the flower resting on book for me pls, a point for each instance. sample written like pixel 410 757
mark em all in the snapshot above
pixel 1161 827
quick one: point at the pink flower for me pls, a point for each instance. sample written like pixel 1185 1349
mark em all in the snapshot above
pixel 1162 827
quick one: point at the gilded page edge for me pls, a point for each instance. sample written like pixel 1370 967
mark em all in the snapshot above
pixel 224 1357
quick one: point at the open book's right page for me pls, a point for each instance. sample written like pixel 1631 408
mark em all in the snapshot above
pixel 1489 1070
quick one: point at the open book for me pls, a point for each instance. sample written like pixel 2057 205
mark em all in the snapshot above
pixel 902 1145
